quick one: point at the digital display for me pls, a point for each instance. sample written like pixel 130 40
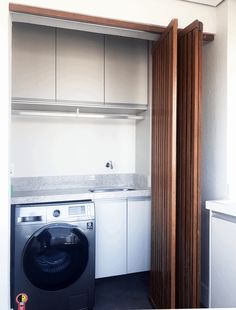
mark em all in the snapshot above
pixel 77 210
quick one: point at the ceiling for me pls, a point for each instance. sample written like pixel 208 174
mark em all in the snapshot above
pixel 206 2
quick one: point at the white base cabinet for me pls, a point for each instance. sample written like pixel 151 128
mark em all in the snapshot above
pixel 110 238
pixel 222 261
pixel 123 236
pixel 139 235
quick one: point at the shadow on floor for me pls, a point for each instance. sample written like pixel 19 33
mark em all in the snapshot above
pixel 122 292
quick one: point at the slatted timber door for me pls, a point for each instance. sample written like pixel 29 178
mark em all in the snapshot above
pixel 164 57
pixel 188 166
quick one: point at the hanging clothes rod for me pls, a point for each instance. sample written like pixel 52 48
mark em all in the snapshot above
pixel 76 114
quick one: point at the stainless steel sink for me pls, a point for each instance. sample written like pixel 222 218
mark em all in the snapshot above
pixel 120 189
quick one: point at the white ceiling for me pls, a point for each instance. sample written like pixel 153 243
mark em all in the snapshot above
pixel 206 2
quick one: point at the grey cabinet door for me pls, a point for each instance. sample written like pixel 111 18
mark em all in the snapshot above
pixel 80 66
pixel 33 61
pixel 126 70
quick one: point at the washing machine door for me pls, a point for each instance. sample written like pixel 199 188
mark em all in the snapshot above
pixel 55 256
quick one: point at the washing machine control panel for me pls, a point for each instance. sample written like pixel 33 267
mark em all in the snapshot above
pixel 48 213
pixel 70 211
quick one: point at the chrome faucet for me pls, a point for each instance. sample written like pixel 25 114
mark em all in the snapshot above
pixel 109 164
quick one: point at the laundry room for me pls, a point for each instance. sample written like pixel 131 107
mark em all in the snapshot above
pixel 109 149
pixel 80 154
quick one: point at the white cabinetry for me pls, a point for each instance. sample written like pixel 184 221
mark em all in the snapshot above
pixel 139 235
pixel 33 61
pixel 123 236
pixel 222 261
pixel 126 70
pixel 80 66
pixel 110 238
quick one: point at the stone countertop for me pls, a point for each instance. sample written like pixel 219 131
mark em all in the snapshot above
pixel 72 194
pixel 227 207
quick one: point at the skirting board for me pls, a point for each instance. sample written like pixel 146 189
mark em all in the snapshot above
pixel 204 295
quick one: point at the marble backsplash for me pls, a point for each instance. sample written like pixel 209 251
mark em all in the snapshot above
pixel 79 181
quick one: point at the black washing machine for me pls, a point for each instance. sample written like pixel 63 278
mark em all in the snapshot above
pixel 53 256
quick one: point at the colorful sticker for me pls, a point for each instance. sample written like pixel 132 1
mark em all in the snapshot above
pixel 21 300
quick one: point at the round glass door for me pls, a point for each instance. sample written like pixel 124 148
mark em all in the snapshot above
pixel 55 256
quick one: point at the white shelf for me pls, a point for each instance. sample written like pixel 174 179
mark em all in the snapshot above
pixel 77 109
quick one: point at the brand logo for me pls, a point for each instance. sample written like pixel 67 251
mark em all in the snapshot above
pixel 21 300
pixel 90 225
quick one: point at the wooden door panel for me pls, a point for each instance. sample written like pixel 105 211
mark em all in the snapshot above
pixel 188 167
pixel 164 169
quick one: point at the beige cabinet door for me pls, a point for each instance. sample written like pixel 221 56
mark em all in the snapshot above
pixel 126 70
pixel 80 66
pixel 33 61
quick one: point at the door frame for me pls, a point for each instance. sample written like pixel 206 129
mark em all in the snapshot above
pixel 95 20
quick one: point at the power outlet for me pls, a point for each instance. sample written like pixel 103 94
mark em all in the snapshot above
pixel 12 170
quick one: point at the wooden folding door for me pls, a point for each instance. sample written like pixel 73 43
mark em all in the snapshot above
pixel 164 169
pixel 175 265
pixel 188 204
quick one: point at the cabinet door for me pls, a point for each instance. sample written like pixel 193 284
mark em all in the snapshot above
pixel 222 266
pixel 33 61
pixel 139 235
pixel 110 238
pixel 80 66
pixel 126 70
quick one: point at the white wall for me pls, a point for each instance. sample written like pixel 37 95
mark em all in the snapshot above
pixel 143 146
pixel 231 47
pixel 144 132
pixel 5 35
pixel 47 147
pixel 214 114
pixel 214 131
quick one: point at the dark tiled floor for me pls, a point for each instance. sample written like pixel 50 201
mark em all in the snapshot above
pixel 123 292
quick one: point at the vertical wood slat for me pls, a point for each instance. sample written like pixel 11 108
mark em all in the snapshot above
pixel 188 167
pixel 164 169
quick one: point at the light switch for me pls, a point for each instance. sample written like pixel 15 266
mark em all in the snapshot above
pixel 12 170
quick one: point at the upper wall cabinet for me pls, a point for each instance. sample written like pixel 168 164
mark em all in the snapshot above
pixel 33 61
pixel 93 70
pixel 126 70
pixel 80 66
